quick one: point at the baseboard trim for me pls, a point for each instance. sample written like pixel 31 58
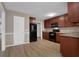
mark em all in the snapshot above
pixel 16 45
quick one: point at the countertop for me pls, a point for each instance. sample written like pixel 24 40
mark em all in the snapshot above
pixel 47 31
pixel 74 35
pixel 68 34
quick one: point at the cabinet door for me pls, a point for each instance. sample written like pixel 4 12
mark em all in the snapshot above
pixel 67 22
pixel 61 21
pixel 68 46
pixel 47 24
pixel 51 21
pixel 55 20
pixel 73 9
pixel 58 37
pixel 45 35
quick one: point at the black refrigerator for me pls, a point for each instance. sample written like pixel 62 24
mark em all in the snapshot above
pixel 33 32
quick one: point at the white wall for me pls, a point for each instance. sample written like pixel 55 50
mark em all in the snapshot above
pixel 3 26
pixel 9 26
pixel 43 25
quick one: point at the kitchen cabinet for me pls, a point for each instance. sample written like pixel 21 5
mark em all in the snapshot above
pixel 46 35
pixel 73 13
pixel 54 20
pixel 57 37
pixel 59 19
pixel 69 46
pixel 67 22
pixel 62 21
pixel 47 23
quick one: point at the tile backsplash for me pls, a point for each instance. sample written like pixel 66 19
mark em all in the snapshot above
pixel 69 29
pixel 48 29
pixel 64 29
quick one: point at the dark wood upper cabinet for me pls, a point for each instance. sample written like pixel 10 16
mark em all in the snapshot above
pixel 47 23
pixel 67 22
pixel 61 20
pixel 73 12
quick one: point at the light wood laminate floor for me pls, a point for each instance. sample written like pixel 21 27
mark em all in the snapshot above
pixel 41 48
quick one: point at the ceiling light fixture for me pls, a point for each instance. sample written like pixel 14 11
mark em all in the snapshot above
pixel 51 15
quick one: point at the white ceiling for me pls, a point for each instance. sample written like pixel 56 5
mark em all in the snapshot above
pixel 38 9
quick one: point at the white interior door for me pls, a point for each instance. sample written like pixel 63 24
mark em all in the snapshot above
pixel 18 30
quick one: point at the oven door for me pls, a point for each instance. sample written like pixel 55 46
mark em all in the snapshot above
pixel 52 36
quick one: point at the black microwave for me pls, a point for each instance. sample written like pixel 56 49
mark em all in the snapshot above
pixel 53 25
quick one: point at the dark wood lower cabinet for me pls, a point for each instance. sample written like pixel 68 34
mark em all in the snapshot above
pixel 46 35
pixel 58 37
pixel 69 46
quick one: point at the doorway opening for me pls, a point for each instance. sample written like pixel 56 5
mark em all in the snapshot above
pixel 38 31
